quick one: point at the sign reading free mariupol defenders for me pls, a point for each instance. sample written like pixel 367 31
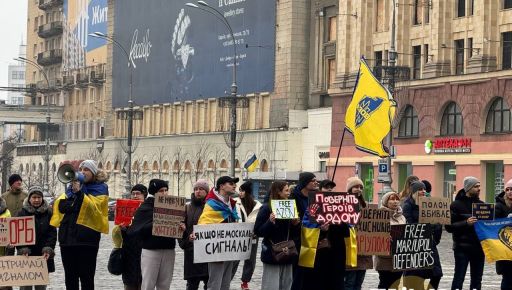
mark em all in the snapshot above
pixel 411 248
pixel 333 207
pixel 222 242
pixel 23 271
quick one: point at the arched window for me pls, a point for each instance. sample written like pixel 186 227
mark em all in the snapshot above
pixel 117 166
pixel 237 164
pixel 409 123
pixel 166 166
pixel 498 117
pixel 100 165
pixel 145 166
pixel 211 164
pixel 135 166
pixel 264 166
pixel 21 168
pixel 109 166
pixel 451 123
pixel 188 166
pixel 199 166
pixel 155 166
pixel 223 164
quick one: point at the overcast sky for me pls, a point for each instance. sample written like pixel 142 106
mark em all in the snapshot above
pixel 13 28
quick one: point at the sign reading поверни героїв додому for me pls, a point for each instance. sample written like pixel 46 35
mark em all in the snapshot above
pixel 333 207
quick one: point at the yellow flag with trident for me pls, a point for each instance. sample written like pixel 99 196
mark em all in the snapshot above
pixel 370 113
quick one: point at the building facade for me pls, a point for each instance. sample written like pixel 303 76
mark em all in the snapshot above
pixel 16 79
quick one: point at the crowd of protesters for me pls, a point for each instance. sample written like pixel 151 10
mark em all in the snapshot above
pixel 148 261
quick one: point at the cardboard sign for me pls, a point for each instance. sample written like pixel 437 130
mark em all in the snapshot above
pixel 17 231
pixel 434 210
pixel 333 207
pixel 284 208
pixel 125 210
pixel 222 242
pixel 168 214
pixel 411 246
pixel 23 271
pixel 483 211
pixel 373 230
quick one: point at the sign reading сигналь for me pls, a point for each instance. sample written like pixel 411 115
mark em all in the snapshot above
pixel 333 208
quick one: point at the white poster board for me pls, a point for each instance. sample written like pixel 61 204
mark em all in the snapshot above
pixel 284 208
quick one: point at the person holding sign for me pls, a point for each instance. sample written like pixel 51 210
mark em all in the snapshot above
pixel 415 279
pixel 503 210
pixel 277 271
pixel 46 235
pixel 4 213
pixel 81 214
pixel 157 255
pixel 466 246
pixel 384 264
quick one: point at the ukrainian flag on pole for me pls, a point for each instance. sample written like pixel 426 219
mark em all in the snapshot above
pixel 370 113
pixel 252 163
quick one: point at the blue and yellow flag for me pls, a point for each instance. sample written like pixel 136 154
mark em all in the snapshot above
pixel 370 113
pixel 496 239
pixel 252 163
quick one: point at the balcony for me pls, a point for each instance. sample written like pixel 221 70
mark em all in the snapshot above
pixel 82 79
pixel 49 57
pixel 97 75
pixel 68 82
pixel 47 4
pixel 50 29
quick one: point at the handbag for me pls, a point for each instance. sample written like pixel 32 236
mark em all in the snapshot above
pixel 115 262
pixel 285 251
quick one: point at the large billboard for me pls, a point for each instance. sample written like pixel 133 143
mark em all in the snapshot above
pixel 183 53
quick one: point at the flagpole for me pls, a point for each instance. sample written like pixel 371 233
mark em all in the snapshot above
pixel 338 157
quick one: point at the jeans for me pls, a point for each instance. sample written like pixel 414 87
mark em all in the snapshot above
pixel 249 264
pixel 354 279
pixel 219 275
pixel 475 257
pixel 277 277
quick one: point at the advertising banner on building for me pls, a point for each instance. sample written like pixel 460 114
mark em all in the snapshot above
pixel 179 52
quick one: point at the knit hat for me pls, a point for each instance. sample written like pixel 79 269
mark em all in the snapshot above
pixel 469 182
pixel 305 178
pixel 508 184
pixel 417 185
pixel 35 190
pixel 91 165
pixel 428 186
pixel 141 188
pixel 385 197
pixel 202 183
pixel 353 181
pixel 327 183
pixel 246 187
pixel 13 178
pixel 156 184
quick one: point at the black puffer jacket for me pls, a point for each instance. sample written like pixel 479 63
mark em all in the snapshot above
pixel 71 233
pixel 192 213
pixel 502 211
pixel 463 235
pixel 46 235
pixel 142 226
pixel 130 255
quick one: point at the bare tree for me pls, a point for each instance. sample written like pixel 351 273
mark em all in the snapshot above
pixel 139 173
pixel 160 157
pixel 216 155
pixel 7 148
pixel 201 156
pixel 179 167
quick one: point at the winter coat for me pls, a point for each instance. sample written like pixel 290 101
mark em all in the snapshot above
pixel 142 226
pixel 130 255
pixel 282 230
pixel 385 263
pixel 4 213
pixel 248 218
pixel 502 211
pixel 14 200
pixel 411 213
pixel 46 235
pixel 192 213
pixel 301 202
pixel 463 235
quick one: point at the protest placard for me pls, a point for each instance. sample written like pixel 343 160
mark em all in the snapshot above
pixel 168 213
pixel 125 209
pixel 17 231
pixel 434 210
pixel 333 207
pixel 222 242
pixel 411 246
pixel 483 211
pixel 369 244
pixel 284 208
pixel 23 271
pixel 373 232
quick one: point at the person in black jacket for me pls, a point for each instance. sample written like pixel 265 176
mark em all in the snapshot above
pixel 46 235
pixel 157 257
pixel 411 211
pixel 503 210
pixel 194 273
pixel 466 246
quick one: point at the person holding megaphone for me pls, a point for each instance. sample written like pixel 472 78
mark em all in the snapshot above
pixel 81 214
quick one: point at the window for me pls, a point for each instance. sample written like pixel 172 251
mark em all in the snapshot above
pixel 409 123
pixel 507 4
pixel 470 47
pixel 377 69
pixel 425 52
pixel 331 73
pixel 322 166
pixel 416 62
pixel 451 123
pixel 427 13
pixel 418 9
pixel 459 56
pixel 498 117
pixel 461 8
pixel 471 7
pixel 332 28
pixel 507 50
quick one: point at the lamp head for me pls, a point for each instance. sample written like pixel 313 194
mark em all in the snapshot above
pixel 97 34
pixel 191 5
pixel 200 2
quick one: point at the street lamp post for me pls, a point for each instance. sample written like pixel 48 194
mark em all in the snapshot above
pixel 46 186
pixel 234 87
pixel 130 109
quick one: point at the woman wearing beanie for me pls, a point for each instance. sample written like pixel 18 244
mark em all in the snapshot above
pixel 157 256
pixel 46 235
pixel 247 208
pixel 194 273
pixel 503 210
pixel 389 279
pixel 415 278
pixel 81 214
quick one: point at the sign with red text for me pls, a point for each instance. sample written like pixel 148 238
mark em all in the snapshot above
pixel 23 271
pixel 333 208
pixel 168 214
pixel 373 232
pixel 369 244
pixel 17 231
pixel 125 210
pixel 451 145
